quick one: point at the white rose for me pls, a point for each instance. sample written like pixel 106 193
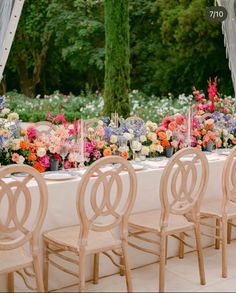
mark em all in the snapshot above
pixel 13 116
pixel 21 160
pixel 128 136
pixel 143 138
pixel 145 150
pixel 113 139
pixel 100 122
pixel 136 145
pixel 231 136
pixel 5 111
pixel 131 131
pixel 16 144
pixel 152 136
pixel 90 129
pixel 153 148
pixel 41 152
pixel 160 149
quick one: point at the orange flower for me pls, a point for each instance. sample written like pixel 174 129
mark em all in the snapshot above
pixel 204 132
pixel 124 155
pixel 165 143
pixel 24 145
pixel 162 135
pixel 107 152
pixel 234 140
pixel 32 157
pixel 38 167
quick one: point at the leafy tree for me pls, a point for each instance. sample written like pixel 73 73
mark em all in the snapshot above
pixel 117 66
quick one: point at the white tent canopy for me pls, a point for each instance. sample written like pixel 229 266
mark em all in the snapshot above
pixel 229 30
pixel 10 11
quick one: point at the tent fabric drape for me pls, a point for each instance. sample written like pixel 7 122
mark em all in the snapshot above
pixel 5 14
pixel 229 31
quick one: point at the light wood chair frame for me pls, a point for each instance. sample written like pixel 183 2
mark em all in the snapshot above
pixel 87 224
pixel 223 221
pixel 192 209
pixel 12 224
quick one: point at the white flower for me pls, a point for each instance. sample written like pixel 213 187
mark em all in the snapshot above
pixel 143 138
pixel 5 111
pixel 13 116
pixel 145 150
pixel 231 136
pixel 16 144
pixel 152 136
pixel 100 122
pixel 168 134
pixel 136 145
pixel 131 131
pixel 123 148
pixel 113 139
pixel 225 132
pixel 90 129
pixel 128 136
pixel 21 160
pixel 41 152
pixel 160 149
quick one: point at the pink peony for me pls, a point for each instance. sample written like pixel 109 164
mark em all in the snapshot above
pixel 179 119
pixel 44 161
pixel 32 133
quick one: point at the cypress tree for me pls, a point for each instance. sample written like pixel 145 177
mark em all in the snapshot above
pixel 117 66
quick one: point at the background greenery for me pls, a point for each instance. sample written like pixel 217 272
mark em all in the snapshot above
pixel 59 45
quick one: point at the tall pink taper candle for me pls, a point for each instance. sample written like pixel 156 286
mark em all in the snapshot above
pixel 82 138
pixel 189 127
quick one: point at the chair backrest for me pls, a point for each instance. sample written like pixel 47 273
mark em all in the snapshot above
pixel 133 119
pixel 183 183
pixel 22 209
pixel 91 122
pixel 229 180
pixel 109 200
pixel 45 127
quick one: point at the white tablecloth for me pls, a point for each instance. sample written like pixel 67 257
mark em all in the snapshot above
pixel 62 211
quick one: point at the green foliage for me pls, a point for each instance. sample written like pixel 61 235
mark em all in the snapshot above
pixel 117 67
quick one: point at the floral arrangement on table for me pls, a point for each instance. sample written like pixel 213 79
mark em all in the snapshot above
pixel 213 124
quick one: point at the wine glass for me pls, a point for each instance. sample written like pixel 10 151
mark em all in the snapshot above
pixel 64 150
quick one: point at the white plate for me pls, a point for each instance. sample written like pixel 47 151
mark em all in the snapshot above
pixel 137 167
pixel 59 176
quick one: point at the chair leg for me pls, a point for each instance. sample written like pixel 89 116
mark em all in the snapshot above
pixel 96 268
pixel 122 272
pixel 127 268
pixel 10 282
pixel 229 231
pixel 82 263
pixel 38 274
pixel 45 265
pixel 162 262
pixel 217 241
pixel 200 254
pixel 166 255
pixel 181 246
pixel 224 247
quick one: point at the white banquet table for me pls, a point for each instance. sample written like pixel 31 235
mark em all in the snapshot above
pixel 62 212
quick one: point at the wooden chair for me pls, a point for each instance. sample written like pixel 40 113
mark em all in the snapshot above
pixel 45 127
pixel 98 219
pixel 20 227
pixel 181 190
pixel 223 212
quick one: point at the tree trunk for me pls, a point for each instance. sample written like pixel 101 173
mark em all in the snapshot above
pixel 117 67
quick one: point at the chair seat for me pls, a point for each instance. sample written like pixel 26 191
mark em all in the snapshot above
pixel 69 236
pixel 213 208
pixel 150 220
pixel 13 260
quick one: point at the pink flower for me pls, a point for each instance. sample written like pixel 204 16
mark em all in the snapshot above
pixel 44 161
pixel 179 119
pixel 67 165
pixel 100 131
pixel 96 155
pixel 160 128
pixel 32 133
pixel 166 120
pixel 15 157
